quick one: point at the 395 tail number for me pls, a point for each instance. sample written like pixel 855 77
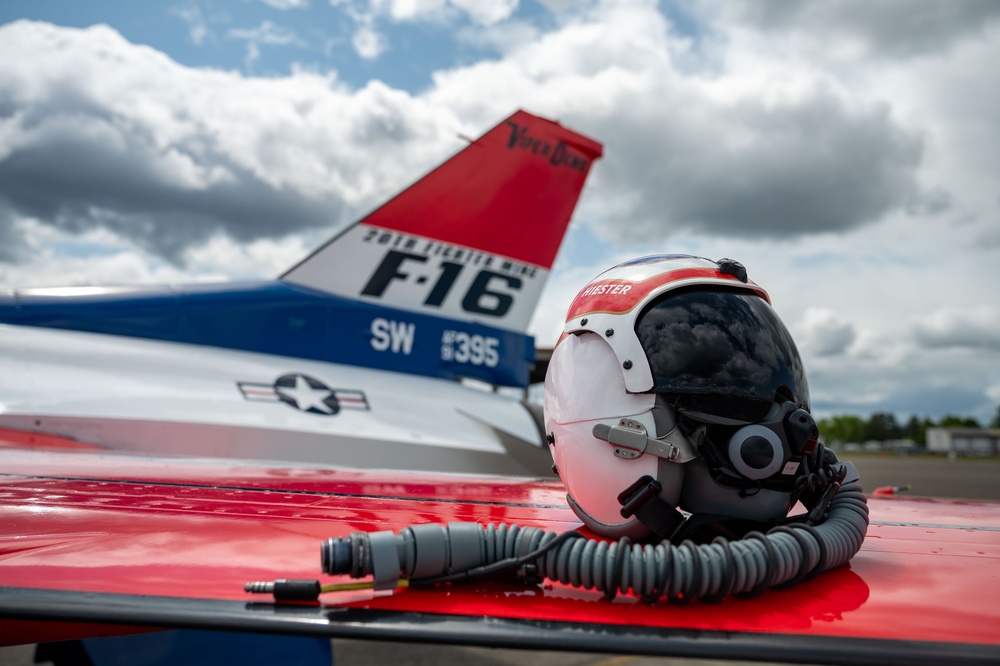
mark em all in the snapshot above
pixel 462 347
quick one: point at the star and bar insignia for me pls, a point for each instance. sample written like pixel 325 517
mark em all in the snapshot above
pixel 306 394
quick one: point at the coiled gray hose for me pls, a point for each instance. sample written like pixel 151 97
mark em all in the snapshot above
pixel 784 556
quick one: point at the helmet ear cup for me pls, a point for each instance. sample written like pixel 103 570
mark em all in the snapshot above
pixel 756 452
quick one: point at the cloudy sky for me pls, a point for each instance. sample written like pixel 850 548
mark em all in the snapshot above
pixel 847 152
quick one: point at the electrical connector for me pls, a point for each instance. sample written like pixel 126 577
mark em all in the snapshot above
pixel 285 589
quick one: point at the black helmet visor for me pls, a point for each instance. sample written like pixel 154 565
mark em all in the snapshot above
pixel 724 353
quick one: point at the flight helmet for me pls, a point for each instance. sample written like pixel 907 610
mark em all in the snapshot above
pixel 676 389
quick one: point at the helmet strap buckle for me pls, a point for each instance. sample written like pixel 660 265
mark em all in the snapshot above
pixel 642 500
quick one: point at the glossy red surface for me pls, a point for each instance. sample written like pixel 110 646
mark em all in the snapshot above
pixel 78 519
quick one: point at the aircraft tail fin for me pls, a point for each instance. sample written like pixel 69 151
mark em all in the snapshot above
pixel 473 240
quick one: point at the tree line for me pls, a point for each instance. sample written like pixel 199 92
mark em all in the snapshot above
pixel 882 426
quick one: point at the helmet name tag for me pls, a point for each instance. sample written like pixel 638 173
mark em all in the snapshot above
pixel 606 288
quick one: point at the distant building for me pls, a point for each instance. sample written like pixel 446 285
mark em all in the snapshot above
pixel 964 441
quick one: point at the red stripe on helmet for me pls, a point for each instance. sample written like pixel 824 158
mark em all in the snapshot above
pixel 621 296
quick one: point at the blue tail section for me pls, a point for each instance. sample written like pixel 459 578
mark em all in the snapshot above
pixel 284 319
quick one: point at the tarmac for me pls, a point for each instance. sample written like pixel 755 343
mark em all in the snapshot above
pixel 928 476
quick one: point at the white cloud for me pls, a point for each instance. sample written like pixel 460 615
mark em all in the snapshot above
pixel 374 18
pixel 974 328
pixel 93 257
pixel 823 333
pixel 487 13
pixel 856 30
pixel 368 43
pixel 286 4
pixel 410 10
pixel 105 134
pixel 198 28
pixel 267 33
pixel 480 12
pixel 223 257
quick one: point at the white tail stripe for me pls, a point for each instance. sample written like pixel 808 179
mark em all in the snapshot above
pixel 424 275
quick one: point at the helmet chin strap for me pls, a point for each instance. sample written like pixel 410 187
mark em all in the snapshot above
pixel 667 523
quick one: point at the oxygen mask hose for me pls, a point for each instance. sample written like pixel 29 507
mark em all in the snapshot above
pixel 785 555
